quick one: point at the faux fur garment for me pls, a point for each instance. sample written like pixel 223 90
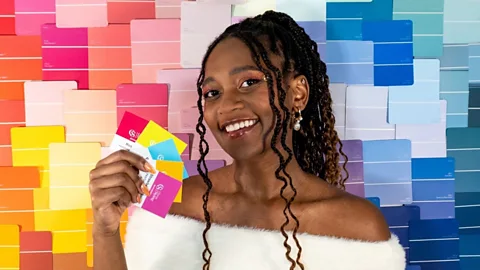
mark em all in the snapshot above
pixel 175 243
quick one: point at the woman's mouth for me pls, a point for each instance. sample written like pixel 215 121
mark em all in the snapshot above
pixel 238 129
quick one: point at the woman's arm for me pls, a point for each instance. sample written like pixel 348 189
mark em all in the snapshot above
pixel 108 252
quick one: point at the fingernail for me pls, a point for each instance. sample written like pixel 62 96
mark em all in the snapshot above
pixel 149 168
pixel 145 190
pixel 139 198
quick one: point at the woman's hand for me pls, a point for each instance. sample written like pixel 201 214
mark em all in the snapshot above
pixel 114 185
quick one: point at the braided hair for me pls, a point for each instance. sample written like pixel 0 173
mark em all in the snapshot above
pixel 316 147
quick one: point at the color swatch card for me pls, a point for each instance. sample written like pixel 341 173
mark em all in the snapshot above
pixel 35 250
pixel 71 13
pixel 428 140
pixel 467 211
pixel 454 86
pixel 354 151
pixel 474 107
pixel 192 166
pixel 433 187
pixel 176 170
pixel 461 16
pixel 30 15
pixel 338 92
pixel 387 171
pixel 155 46
pixel 44 102
pixel 427 18
pixel 398 218
pixel 13 115
pixel 393 51
pixel 70 166
pixel 65 54
pixel 418 103
pixel 434 244
pixel 18 195
pixel 474 64
pixel 124 11
pixel 197 32
pixel 7 17
pixel 469 251
pixel 20 61
pixel 109 56
pixel 10 246
pixel 130 127
pixel 90 116
pixel 366 114
pixel 149 101
pixel 253 7
pixel 350 62
pixel 168 9
pixel 304 10
pixel 464 146
pixel 317 30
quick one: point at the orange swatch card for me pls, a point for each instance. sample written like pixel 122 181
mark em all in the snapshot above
pixel 109 56
pixel 17 186
pixel 20 61
pixel 9 246
pixel 90 116
pixel 70 166
pixel 123 11
pixel 7 17
pixel 13 115
pixel 36 250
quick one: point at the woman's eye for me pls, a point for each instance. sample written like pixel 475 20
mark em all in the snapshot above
pixel 249 82
pixel 210 94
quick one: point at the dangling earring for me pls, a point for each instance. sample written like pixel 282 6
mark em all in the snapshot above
pixel 298 119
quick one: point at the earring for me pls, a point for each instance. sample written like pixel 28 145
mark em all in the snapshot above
pixel 298 119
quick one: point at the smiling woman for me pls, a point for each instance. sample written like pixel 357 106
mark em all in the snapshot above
pixel 263 92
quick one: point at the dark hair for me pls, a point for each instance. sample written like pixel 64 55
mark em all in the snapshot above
pixel 316 146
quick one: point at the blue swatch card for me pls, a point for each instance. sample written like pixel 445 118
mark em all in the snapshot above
pixel 463 144
pixel 350 62
pixel 317 30
pixel 474 107
pixel 474 64
pixel 413 267
pixel 393 51
pixel 418 103
pixel 388 172
pixel 433 187
pixel 303 10
pixel 462 21
pixel 469 251
pixel 398 218
pixel 434 244
pixel 166 150
pixel 467 209
pixel 353 149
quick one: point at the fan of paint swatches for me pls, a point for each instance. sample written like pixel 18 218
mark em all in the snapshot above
pixel 387 171
pixel 13 115
pixel 191 166
pixel 393 51
pixel 398 218
pixel 44 102
pixel 90 116
pixel 197 33
pixel 252 8
pixel 354 151
pixel 428 140
pixel 168 9
pixel 338 92
pixel 419 103
pixel 30 15
pixel 124 11
pixel 454 86
pixel 467 211
pixel 350 62
pixel 65 54
pixel 433 187
pixel 366 114
pixel 109 56
pixel 149 101
pixel 70 166
pixel 317 30
pixel 20 61
pixel 71 13
pixel 10 246
pixel 153 133
pixel 463 145
pixel 155 46
pixel 130 127
pixel 68 227
pixel 303 10
pixel 427 19
pixel 36 250
pixel 434 244
pixel 18 195
pixel 7 17
pixel 461 16
pixel 186 138
pixel 344 20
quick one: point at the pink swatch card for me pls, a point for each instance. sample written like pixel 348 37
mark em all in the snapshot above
pixel 182 93
pixel 81 13
pixel 124 11
pixel 163 190
pixel 149 101
pixel 155 45
pixel 65 54
pixel 168 9
pixel 44 102
pixel 186 138
pixel 129 128
pixel 30 15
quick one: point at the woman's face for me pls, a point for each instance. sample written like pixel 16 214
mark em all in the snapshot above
pixel 237 108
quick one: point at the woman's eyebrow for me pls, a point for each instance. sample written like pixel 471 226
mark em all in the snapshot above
pixel 232 72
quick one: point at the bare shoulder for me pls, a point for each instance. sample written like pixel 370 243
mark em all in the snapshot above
pixel 350 217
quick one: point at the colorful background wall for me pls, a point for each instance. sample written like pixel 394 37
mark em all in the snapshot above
pixel 405 82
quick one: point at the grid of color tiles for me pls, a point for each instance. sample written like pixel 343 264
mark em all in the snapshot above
pixel 405 84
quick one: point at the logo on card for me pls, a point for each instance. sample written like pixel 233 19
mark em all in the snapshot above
pixel 160 157
pixel 152 142
pixel 133 134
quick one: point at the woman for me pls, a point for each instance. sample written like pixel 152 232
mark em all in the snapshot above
pixel 263 93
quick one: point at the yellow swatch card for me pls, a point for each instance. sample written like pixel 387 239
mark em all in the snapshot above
pixel 154 133
pixel 173 169
pixel 70 166
pixel 9 246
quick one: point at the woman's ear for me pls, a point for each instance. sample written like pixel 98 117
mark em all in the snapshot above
pixel 300 91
